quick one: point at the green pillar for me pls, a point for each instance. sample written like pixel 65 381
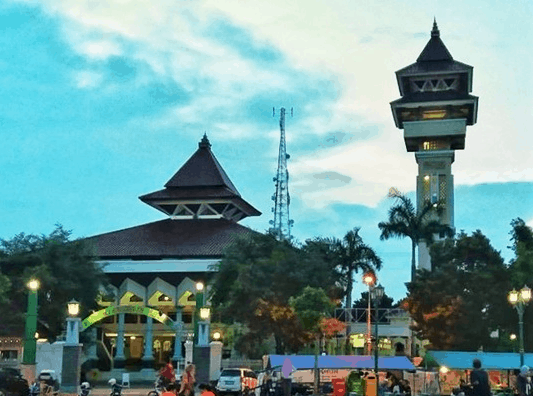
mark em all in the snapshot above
pixel 199 304
pixel 30 343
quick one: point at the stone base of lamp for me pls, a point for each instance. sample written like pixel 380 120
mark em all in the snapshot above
pixel 202 360
pixel 70 372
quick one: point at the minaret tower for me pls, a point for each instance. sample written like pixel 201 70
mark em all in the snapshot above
pixel 434 110
pixel 281 225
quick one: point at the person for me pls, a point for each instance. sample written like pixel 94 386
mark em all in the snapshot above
pixel 206 390
pixel 405 387
pixel 170 390
pixel 187 381
pixel 479 380
pixel 167 374
pixel 393 384
pixel 523 382
pixel 116 389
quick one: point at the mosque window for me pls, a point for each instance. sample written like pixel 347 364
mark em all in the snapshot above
pixel 109 319
pixel 130 318
pixel 166 346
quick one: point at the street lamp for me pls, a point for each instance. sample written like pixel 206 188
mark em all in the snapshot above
pixel 73 323
pixel 73 308
pixel 519 300
pixel 369 279
pixel 30 342
pixel 377 295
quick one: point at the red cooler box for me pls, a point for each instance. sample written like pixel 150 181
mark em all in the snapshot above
pixel 339 386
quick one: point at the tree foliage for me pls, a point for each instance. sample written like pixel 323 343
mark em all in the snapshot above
pixel 458 304
pixel 64 269
pixel 351 255
pixel 256 279
pixel 418 225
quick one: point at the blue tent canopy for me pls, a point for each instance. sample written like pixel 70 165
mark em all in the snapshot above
pixel 306 362
pixel 489 360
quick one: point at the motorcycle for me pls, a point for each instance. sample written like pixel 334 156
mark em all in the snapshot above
pixel 159 387
pixel 116 389
pixel 85 389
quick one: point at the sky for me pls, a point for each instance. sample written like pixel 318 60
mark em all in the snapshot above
pixel 103 101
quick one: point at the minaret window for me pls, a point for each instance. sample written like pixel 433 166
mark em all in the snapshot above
pixel 434 189
pixel 435 84
pixel 433 145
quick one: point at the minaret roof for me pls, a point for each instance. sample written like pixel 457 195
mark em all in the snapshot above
pixel 435 50
pixel 201 181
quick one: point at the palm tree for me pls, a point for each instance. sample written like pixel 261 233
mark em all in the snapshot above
pixel 419 225
pixel 352 255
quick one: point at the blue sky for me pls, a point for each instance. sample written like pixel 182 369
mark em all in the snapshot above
pixel 102 101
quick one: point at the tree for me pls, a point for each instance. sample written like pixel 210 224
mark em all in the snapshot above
pixel 386 301
pixel 418 225
pixel 256 279
pixel 65 269
pixel 458 304
pixel 312 306
pixel 351 255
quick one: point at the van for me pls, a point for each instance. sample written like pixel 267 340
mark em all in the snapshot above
pixel 237 381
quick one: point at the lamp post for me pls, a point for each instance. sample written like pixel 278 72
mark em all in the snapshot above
pixel 71 364
pixel 73 323
pixel 199 298
pixel 377 295
pixel 519 300
pixel 369 279
pixel 30 342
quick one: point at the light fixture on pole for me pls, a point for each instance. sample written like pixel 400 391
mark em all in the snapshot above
pixel 30 342
pixel 369 279
pixel 217 335
pixel 377 294
pixel 73 323
pixel 519 300
pixel 73 308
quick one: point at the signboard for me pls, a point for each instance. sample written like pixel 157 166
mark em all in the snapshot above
pixel 326 375
pixel 131 309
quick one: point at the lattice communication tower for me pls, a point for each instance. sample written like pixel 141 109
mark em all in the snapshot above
pixel 281 225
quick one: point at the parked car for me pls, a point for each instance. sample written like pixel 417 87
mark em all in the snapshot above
pixel 237 381
pixel 12 383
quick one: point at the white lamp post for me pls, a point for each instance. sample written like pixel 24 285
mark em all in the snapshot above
pixel 73 323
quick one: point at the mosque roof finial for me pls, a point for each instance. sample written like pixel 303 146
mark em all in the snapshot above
pixel 204 143
pixel 435 31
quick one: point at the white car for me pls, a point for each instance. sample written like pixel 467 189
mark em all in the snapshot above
pixel 238 381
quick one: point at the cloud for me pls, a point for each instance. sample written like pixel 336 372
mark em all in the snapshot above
pixel 339 75
pixel 87 79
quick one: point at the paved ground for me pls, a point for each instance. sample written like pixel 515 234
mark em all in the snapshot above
pixel 142 390
pixel 133 391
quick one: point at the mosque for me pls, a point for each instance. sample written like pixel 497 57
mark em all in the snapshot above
pixel 159 264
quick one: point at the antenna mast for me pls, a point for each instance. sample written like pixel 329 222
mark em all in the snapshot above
pixel 282 223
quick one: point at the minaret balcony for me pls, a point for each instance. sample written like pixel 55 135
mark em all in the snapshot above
pixel 451 131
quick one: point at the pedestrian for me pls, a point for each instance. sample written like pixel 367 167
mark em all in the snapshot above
pixel 187 381
pixel 167 374
pixel 479 380
pixel 170 390
pixel 523 382
pixel 206 390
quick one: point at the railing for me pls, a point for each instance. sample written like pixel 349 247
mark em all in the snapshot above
pixel 360 315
